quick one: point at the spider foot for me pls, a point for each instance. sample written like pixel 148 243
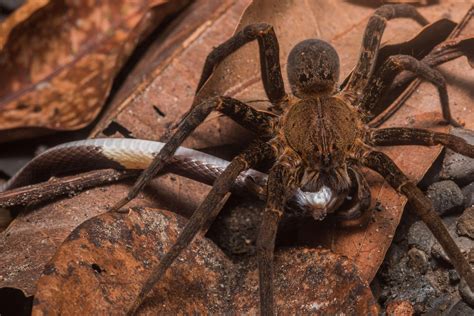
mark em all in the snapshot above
pixel 455 123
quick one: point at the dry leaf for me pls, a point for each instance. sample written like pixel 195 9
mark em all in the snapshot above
pixel 59 63
pixel 33 237
pixel 169 78
pixel 109 257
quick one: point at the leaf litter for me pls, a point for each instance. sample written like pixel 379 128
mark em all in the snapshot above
pixel 365 246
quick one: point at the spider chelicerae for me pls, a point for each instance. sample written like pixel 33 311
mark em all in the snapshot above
pixel 317 135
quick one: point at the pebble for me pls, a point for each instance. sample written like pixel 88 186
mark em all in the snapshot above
pixel 399 308
pixel 470 255
pixel 446 196
pixel 466 293
pixel 468 192
pixel 235 229
pixel 453 276
pixel 456 166
pixel 465 224
pixel 419 236
pixel 439 306
pixel 464 243
pixel 438 252
pixel 418 260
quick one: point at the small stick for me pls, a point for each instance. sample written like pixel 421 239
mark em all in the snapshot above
pixel 46 191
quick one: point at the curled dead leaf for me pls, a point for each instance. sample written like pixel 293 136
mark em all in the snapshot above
pixel 33 237
pixel 59 63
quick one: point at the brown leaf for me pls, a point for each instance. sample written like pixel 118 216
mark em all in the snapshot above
pixel 58 64
pixel 203 279
pixel 33 237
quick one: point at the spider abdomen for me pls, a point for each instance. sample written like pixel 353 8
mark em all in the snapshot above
pixel 323 131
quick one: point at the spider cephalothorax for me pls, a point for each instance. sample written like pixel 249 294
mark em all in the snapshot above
pixel 317 137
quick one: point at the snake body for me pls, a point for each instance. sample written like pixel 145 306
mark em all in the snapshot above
pixel 123 153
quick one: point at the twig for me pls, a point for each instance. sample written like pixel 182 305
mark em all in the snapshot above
pixel 46 191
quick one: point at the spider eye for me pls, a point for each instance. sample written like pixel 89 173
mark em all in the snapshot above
pixel 304 77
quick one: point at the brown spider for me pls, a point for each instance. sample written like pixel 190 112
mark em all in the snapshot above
pixel 318 136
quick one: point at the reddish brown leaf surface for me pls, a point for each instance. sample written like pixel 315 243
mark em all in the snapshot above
pixel 33 237
pixel 58 63
pixel 109 256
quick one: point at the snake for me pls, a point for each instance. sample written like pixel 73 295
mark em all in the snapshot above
pixel 129 153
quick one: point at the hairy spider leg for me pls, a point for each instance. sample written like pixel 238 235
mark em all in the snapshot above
pixel 240 112
pixel 416 136
pixel 371 42
pixel 381 82
pixel 446 51
pixel 422 206
pixel 206 212
pixel 269 59
pixel 282 181
pixel 269 62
